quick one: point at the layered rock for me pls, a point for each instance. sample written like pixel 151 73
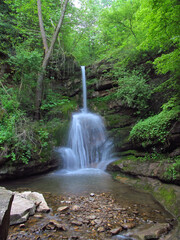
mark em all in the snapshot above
pixel 6 198
pixel 22 170
pixel 25 204
pixel 133 166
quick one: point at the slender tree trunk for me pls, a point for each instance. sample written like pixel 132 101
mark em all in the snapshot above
pixel 41 25
pixel 46 59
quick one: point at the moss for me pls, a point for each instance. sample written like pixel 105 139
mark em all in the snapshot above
pixel 168 195
pixel 133 152
pixel 118 120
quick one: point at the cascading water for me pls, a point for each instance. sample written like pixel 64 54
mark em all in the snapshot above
pixel 88 145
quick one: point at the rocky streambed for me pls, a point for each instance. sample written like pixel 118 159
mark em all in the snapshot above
pixel 94 216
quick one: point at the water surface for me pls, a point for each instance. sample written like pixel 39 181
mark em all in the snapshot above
pixel 85 181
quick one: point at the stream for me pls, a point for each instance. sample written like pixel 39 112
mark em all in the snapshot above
pixel 98 196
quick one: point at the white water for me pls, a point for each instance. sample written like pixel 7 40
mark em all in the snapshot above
pixel 88 144
pixel 84 88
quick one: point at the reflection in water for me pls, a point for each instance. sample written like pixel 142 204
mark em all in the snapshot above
pixel 83 181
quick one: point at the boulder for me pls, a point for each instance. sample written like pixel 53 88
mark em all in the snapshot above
pixel 25 204
pixel 152 232
pixel 6 198
pixel 38 199
pixel 21 209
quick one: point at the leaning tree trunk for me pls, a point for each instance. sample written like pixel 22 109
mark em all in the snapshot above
pixel 47 55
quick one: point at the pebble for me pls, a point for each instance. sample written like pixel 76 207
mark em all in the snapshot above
pixel 101 229
pixel 63 208
pixel 92 194
pixel 128 225
pixel 77 223
pixel 91 217
pixel 80 217
pixel 38 216
pixel 116 230
pixel 75 208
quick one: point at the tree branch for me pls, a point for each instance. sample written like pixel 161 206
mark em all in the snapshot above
pixel 41 25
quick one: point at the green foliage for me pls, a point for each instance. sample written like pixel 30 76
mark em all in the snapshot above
pixel 54 104
pixel 133 90
pixel 174 170
pixel 13 132
pixel 155 129
pixel 8 32
pixel 20 139
pixel 25 64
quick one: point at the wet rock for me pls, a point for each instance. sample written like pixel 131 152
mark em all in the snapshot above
pixel 6 198
pixel 75 208
pixel 62 209
pixel 22 225
pixel 116 230
pixel 48 227
pixel 92 194
pixel 91 199
pixel 93 223
pixel 86 221
pixel 76 222
pixel 58 225
pixel 101 229
pixel 155 232
pixel 38 216
pixel 128 225
pixel 151 231
pixel 91 217
pixel 98 221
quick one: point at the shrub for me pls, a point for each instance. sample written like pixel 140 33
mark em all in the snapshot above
pixel 133 90
pixel 155 129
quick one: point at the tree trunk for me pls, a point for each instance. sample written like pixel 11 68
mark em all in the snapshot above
pixel 46 60
pixel 41 25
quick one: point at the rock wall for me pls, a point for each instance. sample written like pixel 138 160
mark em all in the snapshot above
pixel 24 170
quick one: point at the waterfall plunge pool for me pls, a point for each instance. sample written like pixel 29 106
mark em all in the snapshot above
pixel 83 182
pixel 77 186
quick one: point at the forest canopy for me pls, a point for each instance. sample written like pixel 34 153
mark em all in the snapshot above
pixel 139 38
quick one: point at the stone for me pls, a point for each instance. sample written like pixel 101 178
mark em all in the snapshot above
pixel 101 229
pixel 22 225
pixel 91 217
pixel 62 209
pixel 76 222
pixel 6 199
pixel 38 199
pixel 92 194
pixel 128 225
pixel 98 221
pixel 75 208
pixel 21 209
pixel 116 230
pixel 154 231
pixel 22 170
pixel 38 216
pixel 58 225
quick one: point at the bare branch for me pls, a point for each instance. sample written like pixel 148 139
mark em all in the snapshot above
pixel 41 25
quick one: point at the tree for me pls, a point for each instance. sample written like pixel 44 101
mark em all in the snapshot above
pixel 47 55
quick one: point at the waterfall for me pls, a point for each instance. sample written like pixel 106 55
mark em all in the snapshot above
pixel 84 88
pixel 88 144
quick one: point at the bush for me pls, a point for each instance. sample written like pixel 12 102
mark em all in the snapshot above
pixel 20 139
pixel 133 90
pixel 155 129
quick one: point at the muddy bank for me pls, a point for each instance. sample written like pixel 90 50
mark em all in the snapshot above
pixel 94 216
